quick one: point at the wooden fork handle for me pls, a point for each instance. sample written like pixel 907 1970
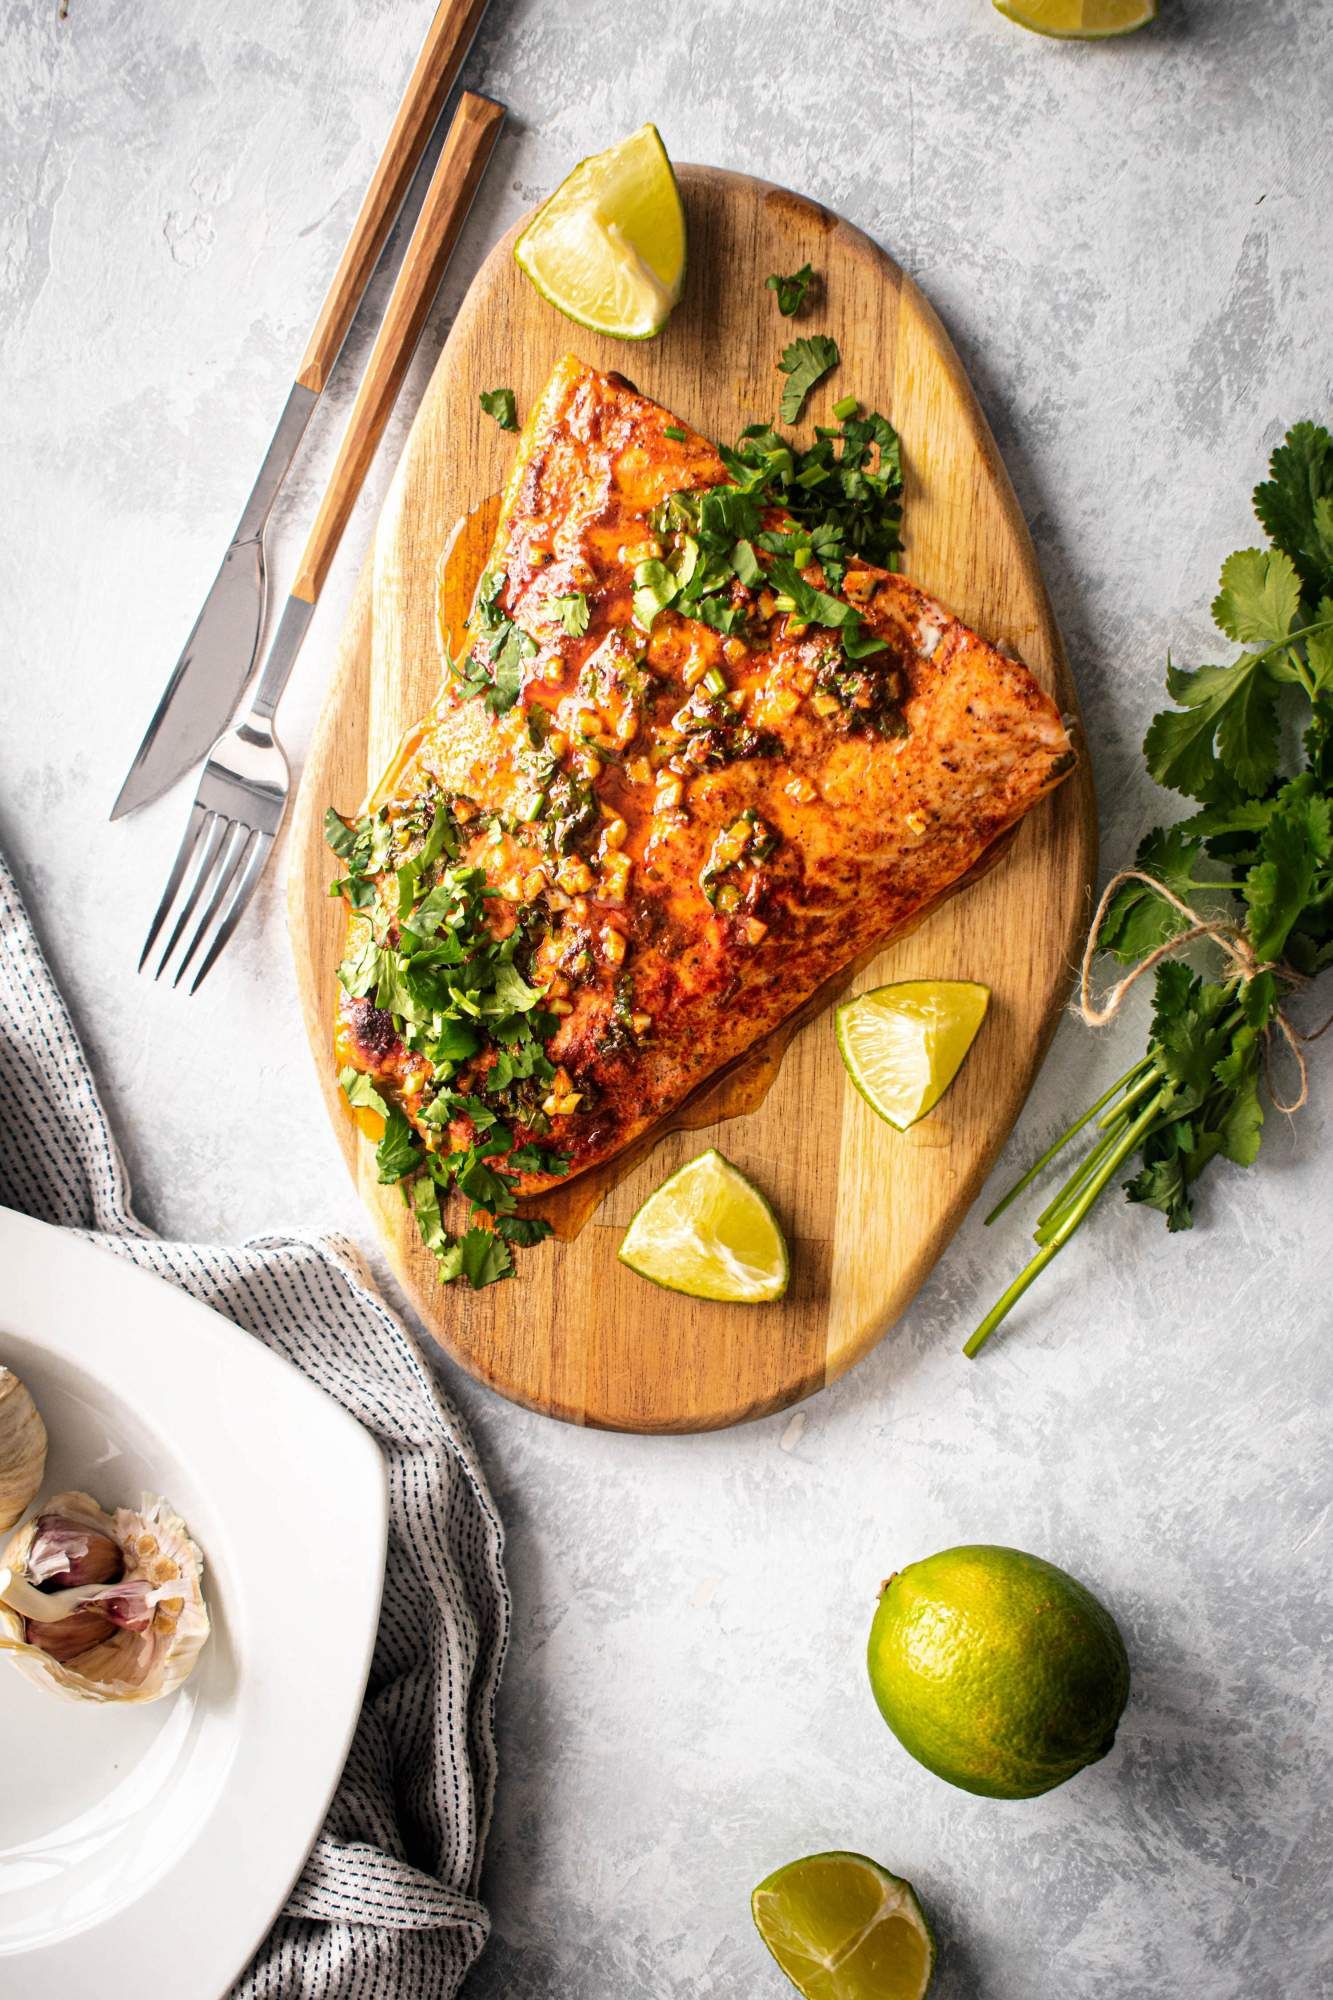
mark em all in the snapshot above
pixel 447 42
pixel 472 135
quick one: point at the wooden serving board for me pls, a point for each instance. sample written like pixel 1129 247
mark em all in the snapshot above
pixel 866 1210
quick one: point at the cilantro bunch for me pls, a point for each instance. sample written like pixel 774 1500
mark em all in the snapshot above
pixel 1252 745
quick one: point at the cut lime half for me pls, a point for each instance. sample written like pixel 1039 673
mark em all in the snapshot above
pixel 709 1232
pixel 1080 20
pixel 842 1928
pixel 904 1045
pixel 608 248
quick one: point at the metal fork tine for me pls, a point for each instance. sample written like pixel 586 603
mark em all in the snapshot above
pixel 178 867
pixel 209 841
pixel 229 860
pixel 240 898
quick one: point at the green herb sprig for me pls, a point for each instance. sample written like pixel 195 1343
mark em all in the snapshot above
pixel 1248 878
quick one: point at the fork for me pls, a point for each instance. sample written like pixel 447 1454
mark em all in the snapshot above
pixel 242 796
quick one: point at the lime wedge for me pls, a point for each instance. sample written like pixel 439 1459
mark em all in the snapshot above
pixel 709 1232
pixel 1080 20
pixel 842 1928
pixel 608 248
pixel 904 1045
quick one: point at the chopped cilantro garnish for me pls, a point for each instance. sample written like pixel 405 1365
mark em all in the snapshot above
pixel 791 290
pixel 399 1151
pixel 747 565
pixel 522 1229
pixel 673 431
pixel 341 837
pixel 844 499
pixel 654 589
pixel 499 403
pixel 574 613
pixel 494 667
pixel 456 992
pixel 359 1090
pixel 804 363
pixel 485 1256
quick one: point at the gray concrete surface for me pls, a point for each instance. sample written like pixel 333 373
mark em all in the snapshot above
pixel 1133 246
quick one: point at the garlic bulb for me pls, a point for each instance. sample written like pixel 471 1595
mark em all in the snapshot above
pixel 103 1607
pixel 22 1449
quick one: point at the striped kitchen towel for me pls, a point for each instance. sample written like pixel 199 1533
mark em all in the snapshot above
pixel 386 1907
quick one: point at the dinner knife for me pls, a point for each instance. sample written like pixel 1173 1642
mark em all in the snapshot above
pixel 220 653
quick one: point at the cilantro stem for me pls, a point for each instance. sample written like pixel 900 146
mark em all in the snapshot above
pixel 1284 645
pixel 1131 1096
pixel 1039 1166
pixel 1128 1142
pixel 1054 1211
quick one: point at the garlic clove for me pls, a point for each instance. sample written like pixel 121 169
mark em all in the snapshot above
pixel 65 1552
pixel 65 1638
pixel 134 1636
pixel 22 1449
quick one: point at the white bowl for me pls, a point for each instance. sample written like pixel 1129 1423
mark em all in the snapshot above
pixel 150 1846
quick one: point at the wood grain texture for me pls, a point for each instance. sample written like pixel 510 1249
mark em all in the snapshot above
pixel 453 186
pixel 867 1210
pixel 448 39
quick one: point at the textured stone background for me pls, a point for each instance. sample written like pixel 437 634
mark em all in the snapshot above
pixel 1133 247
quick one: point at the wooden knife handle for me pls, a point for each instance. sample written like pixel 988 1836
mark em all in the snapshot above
pixel 442 53
pixel 473 133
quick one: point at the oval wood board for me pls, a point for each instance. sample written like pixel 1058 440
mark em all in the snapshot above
pixel 866 1210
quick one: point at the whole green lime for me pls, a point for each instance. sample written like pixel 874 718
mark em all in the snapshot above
pixel 997 1671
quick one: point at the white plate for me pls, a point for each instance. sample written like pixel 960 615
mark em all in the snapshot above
pixel 147 1849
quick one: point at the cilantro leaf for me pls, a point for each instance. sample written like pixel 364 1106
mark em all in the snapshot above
pixel 1293 844
pixel 525 1230
pixel 342 838
pixel 574 613
pixel 804 363
pixel 499 403
pixel 1161 1184
pixel 440 839
pixel 791 291
pixel 512 994
pixel 654 588
pixel 1137 920
pixel 399 1151
pixel 361 1092
pixel 1295 504
pixel 538 1160
pixel 1242 1128
pixel 484 1257
pixel 484 1185
pixel 1258 598
pixel 1319 650
pixel 1230 707
pixel 430 1223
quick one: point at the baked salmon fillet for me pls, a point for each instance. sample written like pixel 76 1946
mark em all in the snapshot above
pixel 674 782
